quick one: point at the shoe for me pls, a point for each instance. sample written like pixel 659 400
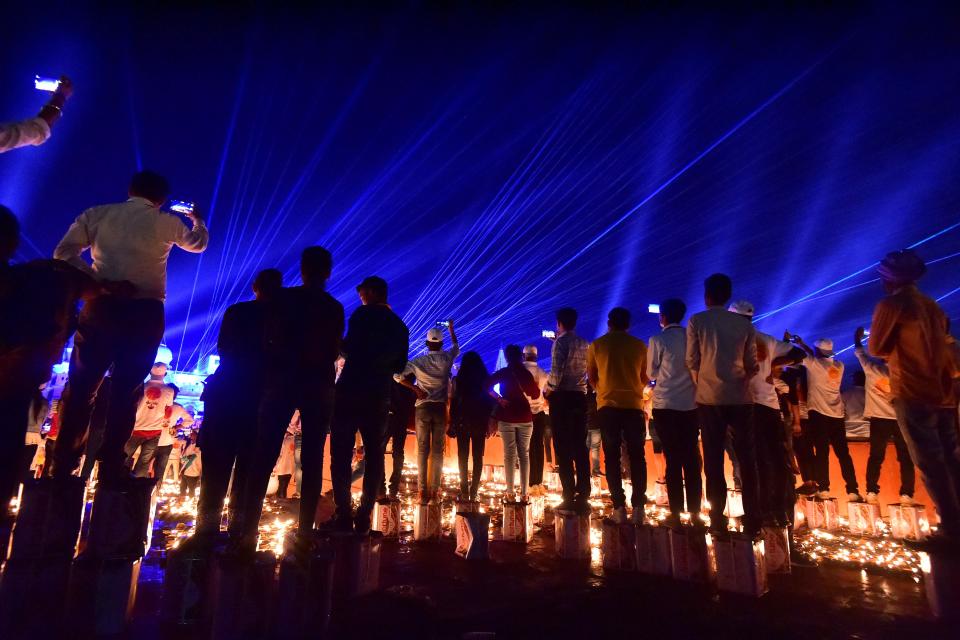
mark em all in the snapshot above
pixel 619 515
pixel 807 488
pixel 906 500
pixel 872 498
pixel 854 497
pixel 638 516
pixel 823 495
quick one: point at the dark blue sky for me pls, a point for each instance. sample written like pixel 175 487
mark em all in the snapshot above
pixel 496 164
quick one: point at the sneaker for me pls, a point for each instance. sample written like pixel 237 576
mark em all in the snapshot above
pixel 906 500
pixel 619 515
pixel 854 497
pixel 823 495
pixel 872 498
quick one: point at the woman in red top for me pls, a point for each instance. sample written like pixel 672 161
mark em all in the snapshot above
pixel 514 419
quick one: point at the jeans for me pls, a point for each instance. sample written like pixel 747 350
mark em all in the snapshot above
pixel 617 426
pixel 773 464
pixel 934 445
pixel 475 437
pixel 803 448
pixel 431 434
pixel 283 485
pixel 396 435
pixel 117 332
pixel 366 411
pixel 516 444
pixel 678 432
pixel 881 431
pixel 832 432
pixel 537 446
pixel 568 419
pixel 160 458
pixel 715 420
pixel 148 448
pixel 594 439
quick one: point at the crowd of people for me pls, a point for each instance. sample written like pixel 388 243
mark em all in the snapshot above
pixel 716 385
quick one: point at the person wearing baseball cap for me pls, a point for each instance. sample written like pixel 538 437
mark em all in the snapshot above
pixel 773 460
pixel 825 408
pixel 538 407
pixel 432 374
pixel 910 331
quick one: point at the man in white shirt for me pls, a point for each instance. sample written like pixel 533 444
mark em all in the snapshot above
pixel 675 411
pixel 538 407
pixel 773 461
pixel 879 412
pixel 432 374
pixel 129 243
pixel 825 406
pixel 722 357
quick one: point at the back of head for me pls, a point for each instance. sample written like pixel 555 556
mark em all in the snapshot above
pixel 373 290
pixel 150 185
pixel 9 234
pixel 618 319
pixel 473 373
pixel 531 353
pixel 513 354
pixel 717 289
pixel 673 310
pixel 316 264
pixel 567 316
pixel 899 268
pixel 267 283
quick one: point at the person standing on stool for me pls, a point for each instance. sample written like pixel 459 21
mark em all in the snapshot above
pixel 722 357
pixel 879 412
pixel 910 331
pixel 514 419
pixel 616 366
pixel 470 409
pixel 130 243
pixel 432 373
pixel 541 420
pixel 567 394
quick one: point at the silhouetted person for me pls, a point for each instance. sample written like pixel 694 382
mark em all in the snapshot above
pixel 129 243
pixel 470 410
pixel 231 400
pixel 402 418
pixel 722 357
pixel 514 419
pixel 375 348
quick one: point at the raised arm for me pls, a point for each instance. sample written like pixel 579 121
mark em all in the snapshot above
pixel 873 365
pixel 195 239
pixel 454 343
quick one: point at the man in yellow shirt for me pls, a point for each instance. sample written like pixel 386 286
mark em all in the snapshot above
pixel 616 366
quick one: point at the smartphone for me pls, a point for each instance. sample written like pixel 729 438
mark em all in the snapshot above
pixel 795 339
pixel 443 323
pixel 186 208
pixel 653 308
pixel 46 84
pixel 547 333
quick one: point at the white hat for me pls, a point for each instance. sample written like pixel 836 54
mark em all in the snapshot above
pixel 530 350
pixel 825 345
pixel 742 308
pixel 434 335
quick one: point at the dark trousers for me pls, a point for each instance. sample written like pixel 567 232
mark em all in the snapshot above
pixel 568 419
pixel 832 432
pixel 803 448
pixel 283 484
pixel 148 449
pixel 714 422
pixel 14 409
pixel 773 464
pixel 226 439
pixel 548 441
pixel 932 438
pixel 188 485
pixel 116 332
pixel 477 436
pixel 396 437
pixel 678 432
pixel 160 458
pixel 366 411
pixel 881 431
pixel 630 426
pixel 538 445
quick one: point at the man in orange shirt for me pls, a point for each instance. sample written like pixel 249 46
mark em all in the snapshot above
pixel 909 330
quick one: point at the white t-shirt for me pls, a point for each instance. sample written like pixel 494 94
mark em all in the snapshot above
pixel 823 386
pixel 152 412
pixel 878 404
pixel 768 348
pixel 432 371
pixel 537 405
pixel 175 414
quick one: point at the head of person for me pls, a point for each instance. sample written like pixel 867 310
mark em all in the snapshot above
pixel 158 370
pixel 743 308
pixel 151 186
pixel 472 373
pixel 267 284
pixel 316 265
pixel 434 339
pixel 900 268
pixel 859 378
pixel 513 354
pixel 9 234
pixel 672 311
pixel 823 347
pixel 373 290
pixel 530 353
pixel 175 389
pixel 618 319
pixel 566 319
pixel 717 290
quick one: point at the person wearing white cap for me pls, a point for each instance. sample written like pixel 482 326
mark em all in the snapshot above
pixel 538 407
pixel 825 405
pixel 432 374
pixel 773 461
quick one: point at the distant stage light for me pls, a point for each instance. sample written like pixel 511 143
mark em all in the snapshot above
pixel 653 308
